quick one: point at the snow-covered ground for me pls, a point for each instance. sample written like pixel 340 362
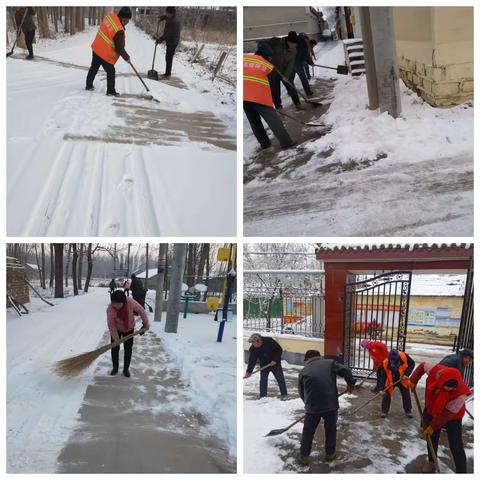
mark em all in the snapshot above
pixel 46 414
pixel 368 174
pixel 80 163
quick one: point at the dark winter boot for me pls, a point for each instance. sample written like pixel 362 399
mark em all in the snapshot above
pixel 383 415
pixel 408 414
pixel 329 457
pixel 113 94
pixel 89 89
pixel 127 373
pixel 114 371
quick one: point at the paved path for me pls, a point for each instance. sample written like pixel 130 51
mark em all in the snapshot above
pixel 143 424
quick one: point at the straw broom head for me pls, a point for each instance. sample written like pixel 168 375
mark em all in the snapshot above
pixel 73 366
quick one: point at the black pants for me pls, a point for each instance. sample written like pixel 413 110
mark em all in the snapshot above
pixel 126 291
pixel 455 442
pixel 98 62
pixel 29 36
pixel 310 425
pixel 275 81
pixel 255 112
pixel 406 399
pixel 169 58
pixel 279 377
pixel 127 349
pixel 300 71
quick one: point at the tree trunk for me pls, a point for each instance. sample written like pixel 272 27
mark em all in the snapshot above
pixel 207 274
pixel 161 266
pixel 80 266
pixel 173 307
pixel 68 263
pixel 58 270
pixel 66 22
pixel 42 278
pixel 52 256
pixel 146 268
pixel 74 269
pixel 204 252
pixel 89 267
pixel 191 265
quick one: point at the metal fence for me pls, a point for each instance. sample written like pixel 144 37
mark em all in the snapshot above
pixel 465 334
pixel 296 311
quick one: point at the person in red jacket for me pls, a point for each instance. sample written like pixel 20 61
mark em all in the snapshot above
pixel 379 352
pixel 445 395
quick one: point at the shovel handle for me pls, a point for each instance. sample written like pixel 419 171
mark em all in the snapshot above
pixel 138 75
pixel 381 392
pixel 262 368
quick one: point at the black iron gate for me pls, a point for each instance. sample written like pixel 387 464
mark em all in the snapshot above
pixel 375 309
pixel 465 332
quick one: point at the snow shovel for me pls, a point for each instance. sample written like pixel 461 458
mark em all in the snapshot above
pixel 375 396
pixel 366 378
pixel 307 124
pixel 153 74
pixel 10 53
pixel 139 77
pixel 287 81
pixel 150 309
pixel 429 440
pixel 279 431
pixel 341 69
pixel 260 369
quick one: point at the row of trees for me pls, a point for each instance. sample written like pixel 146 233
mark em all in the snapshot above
pixel 53 20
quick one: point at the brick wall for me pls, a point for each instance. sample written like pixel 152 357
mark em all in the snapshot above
pixel 16 285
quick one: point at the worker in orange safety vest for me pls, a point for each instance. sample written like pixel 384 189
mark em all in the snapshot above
pixel 257 98
pixel 108 46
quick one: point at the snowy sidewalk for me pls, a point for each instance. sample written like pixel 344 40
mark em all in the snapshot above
pixel 366 443
pixel 144 424
pixel 81 163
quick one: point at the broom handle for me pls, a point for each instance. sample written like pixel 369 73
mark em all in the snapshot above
pixel 128 337
pixel 429 440
pixel 20 28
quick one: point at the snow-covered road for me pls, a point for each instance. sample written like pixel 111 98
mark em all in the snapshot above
pixel 80 163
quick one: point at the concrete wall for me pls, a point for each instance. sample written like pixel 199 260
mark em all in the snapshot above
pixel 435 52
pixel 294 348
pixel 267 22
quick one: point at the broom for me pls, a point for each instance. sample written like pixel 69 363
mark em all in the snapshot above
pixel 73 366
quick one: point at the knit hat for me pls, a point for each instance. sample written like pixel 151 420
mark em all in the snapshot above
pixel 393 355
pixel 133 276
pixel 365 343
pixel 311 354
pixel 118 296
pixel 170 10
pixel 466 352
pixel 292 36
pixel 125 12
pixel 264 50
pixel 254 337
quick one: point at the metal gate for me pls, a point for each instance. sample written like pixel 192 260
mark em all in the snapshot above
pixel 375 309
pixel 465 332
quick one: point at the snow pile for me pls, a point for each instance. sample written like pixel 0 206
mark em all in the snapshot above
pixel 209 368
pixel 42 408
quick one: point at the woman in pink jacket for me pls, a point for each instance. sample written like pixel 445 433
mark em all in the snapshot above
pixel 121 322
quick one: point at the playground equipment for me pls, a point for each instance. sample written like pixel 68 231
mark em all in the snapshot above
pixel 231 273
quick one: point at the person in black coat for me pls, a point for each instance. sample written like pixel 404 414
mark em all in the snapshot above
pixel 303 58
pixel 112 285
pixel 25 15
pixel 266 350
pixel 171 37
pixel 138 292
pixel 317 386
pixel 459 360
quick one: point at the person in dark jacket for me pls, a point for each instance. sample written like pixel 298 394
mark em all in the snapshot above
pixel 171 37
pixel 303 58
pixel 266 350
pixel 397 366
pixel 112 285
pixel 25 15
pixel 118 47
pixel 283 58
pixel 317 386
pixel 459 360
pixel 138 292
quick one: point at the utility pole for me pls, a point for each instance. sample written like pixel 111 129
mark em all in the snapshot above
pixel 162 253
pixel 146 268
pixel 128 260
pixel 381 57
pixel 173 308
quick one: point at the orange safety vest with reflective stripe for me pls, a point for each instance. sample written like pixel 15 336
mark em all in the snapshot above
pixel 256 87
pixel 103 44
pixel 401 371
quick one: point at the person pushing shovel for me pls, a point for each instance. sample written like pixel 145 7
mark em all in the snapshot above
pixel 121 322
pixel 108 46
pixel 268 352
pixel 171 37
pixel 445 395
pixel 317 386
pixel 25 23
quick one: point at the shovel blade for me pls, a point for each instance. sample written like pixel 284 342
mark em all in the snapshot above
pixel 342 69
pixel 278 431
pixel 152 74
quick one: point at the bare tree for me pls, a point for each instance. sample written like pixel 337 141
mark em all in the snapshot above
pixel 90 252
pixel 52 270
pixel 146 268
pixel 173 307
pixel 58 270
pixel 80 267
pixel 74 269
pixel 68 263
pixel 161 266
pixel 42 278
